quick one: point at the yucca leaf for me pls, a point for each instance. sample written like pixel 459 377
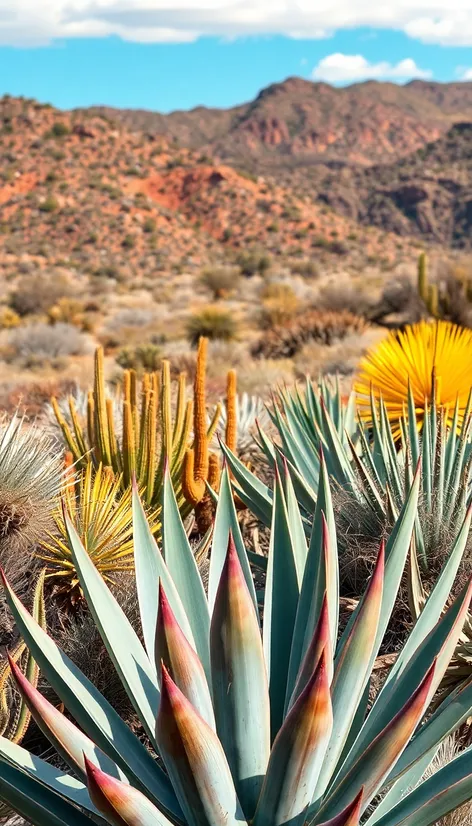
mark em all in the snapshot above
pixel 121 804
pixel 195 761
pixel 226 522
pixel 240 688
pixel 321 575
pixel 35 802
pixel 181 660
pixel 374 765
pixel 350 815
pixel 297 755
pixel 150 570
pixel 295 522
pixel 321 640
pixel 352 669
pixel 440 794
pixel 183 569
pixel 90 709
pixel 66 738
pixel 121 641
pixel 280 606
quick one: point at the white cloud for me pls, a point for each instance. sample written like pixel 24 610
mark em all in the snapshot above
pixel 464 74
pixel 448 22
pixel 339 68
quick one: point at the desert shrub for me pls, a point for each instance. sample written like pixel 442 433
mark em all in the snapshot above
pixel 36 343
pixel 145 358
pixel 50 204
pixel 37 293
pixel 253 262
pixel 306 268
pixel 67 310
pixel 399 296
pixel 132 317
pixel 213 323
pixel 59 129
pixel 129 241
pixel 149 225
pixel 279 305
pixel 324 327
pixel 9 319
pixel 221 281
pixel 342 297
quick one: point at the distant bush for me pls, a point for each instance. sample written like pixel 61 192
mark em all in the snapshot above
pixel 279 305
pixel 128 242
pixel 213 323
pixel 253 262
pixel 37 343
pixel 37 293
pixel 308 269
pixel 221 281
pixel 146 357
pixel 50 204
pixel 323 327
pixel 149 225
pixel 58 130
pixel 9 319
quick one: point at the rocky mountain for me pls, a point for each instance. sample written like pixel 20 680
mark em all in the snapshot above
pixel 298 121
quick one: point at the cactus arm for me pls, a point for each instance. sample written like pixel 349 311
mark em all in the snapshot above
pixel 71 443
pixel 101 423
pixel 78 432
pixel 231 435
pixel 193 489
pixel 91 433
pixel 199 415
pixel 129 453
pixel 116 463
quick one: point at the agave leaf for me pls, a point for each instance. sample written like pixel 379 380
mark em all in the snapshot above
pixel 440 794
pixel 64 784
pixel 375 763
pixel 321 640
pixel 352 669
pixel 452 713
pixel 90 709
pixel 321 574
pixel 240 689
pixel 257 496
pixel 195 761
pixel 439 644
pixel 226 522
pixel 35 802
pixel 150 570
pixel 183 569
pixel 295 522
pixel 181 660
pixel 297 755
pixel 280 606
pixel 350 815
pixel 66 738
pixel 121 641
pixel 121 804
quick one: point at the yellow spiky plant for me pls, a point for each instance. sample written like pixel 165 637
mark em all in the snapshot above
pixel 102 516
pixel 434 358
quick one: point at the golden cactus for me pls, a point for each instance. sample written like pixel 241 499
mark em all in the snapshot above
pixel 150 431
pixel 199 467
pixel 423 287
pixel 433 300
pixel 231 435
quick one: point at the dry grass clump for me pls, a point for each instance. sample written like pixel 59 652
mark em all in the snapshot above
pixel 35 294
pixel 279 305
pixel 212 323
pixel 323 327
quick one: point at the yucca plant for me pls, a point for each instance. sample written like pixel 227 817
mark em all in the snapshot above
pixel 103 520
pixel 268 726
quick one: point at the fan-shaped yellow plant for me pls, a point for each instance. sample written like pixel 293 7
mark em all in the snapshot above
pixel 433 357
pixel 102 516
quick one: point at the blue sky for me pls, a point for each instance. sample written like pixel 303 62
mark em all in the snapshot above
pixel 152 54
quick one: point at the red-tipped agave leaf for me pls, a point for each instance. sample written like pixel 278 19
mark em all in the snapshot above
pixel 181 660
pixel 350 816
pixel 66 738
pixel 375 764
pixel 195 761
pixel 297 755
pixel 122 805
pixel 352 668
pixel 321 640
pixel 239 678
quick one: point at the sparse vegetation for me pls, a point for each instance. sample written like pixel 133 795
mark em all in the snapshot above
pixel 213 323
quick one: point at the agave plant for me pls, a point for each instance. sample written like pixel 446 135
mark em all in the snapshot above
pixel 265 726
pixel 250 411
